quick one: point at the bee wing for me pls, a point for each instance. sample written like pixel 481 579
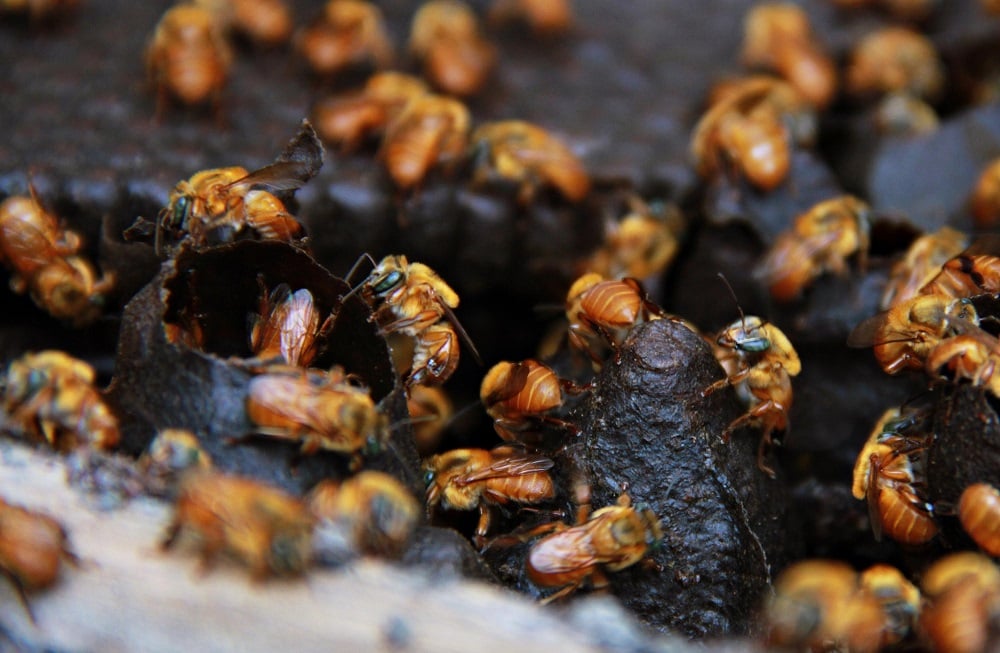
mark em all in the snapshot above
pixel 514 383
pixel 772 267
pixel 466 340
pixel 872 494
pixel 275 178
pixel 515 464
pixel 565 551
pixel 33 248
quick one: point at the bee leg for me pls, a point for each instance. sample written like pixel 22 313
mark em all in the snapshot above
pixel 173 531
pixel 763 448
pixel 483 526
pixel 22 594
pixel 715 387
pixel 566 591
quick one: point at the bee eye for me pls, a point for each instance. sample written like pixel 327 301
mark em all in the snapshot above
pixel 180 213
pixel 36 379
pixel 754 344
pixel 388 282
pixel 429 477
pixel 372 446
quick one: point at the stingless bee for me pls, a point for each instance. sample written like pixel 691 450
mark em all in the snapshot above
pixel 44 261
pixel 171 453
pixel 973 356
pixel 412 300
pixel 188 58
pixel 321 410
pixel 267 23
pixel 529 156
pixel 429 130
pixel 287 327
pixel 979 512
pixel 817 605
pixel 430 410
pixel 963 600
pixel 348 120
pixel 348 34
pixel 545 18
pixel 886 475
pixel 895 59
pixel 819 241
pixel 32 549
pixel 905 335
pixel 464 479
pixel 456 58
pixel 609 539
pixel 375 510
pixel 264 528
pixel 519 396
pixel 921 263
pixel 898 597
pixel 759 362
pixel 639 245
pixel 221 202
pixel 602 312
pixel 50 396
pixel 778 36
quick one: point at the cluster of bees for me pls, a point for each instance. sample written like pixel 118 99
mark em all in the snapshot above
pixel 748 133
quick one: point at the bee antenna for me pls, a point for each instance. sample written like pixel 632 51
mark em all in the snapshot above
pixel 732 293
pixel 357 264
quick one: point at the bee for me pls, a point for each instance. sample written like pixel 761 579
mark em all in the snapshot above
pixel 32 549
pixel 287 328
pixel 759 362
pixel 50 396
pixel 188 58
pixel 375 509
pixel 604 311
pixel 429 130
pixel 430 410
pixel 748 131
pixel 641 244
pixel 528 155
pixel 967 275
pixel 963 592
pixel 322 410
pixel 895 59
pixel 905 335
pixel 899 598
pixel 171 453
pixel 456 58
pixel 817 605
pixel 921 263
pixel 261 526
pixel 778 36
pixel 45 262
pixel 973 356
pixel 979 512
pixel 886 475
pixel 464 479
pixel 412 300
pixel 609 539
pixel 349 120
pixel 820 240
pixel 519 396
pixel 349 34
pixel 985 201
pixel 267 23
pixel 545 18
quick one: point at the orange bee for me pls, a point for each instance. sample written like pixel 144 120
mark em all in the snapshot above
pixel 817 605
pixel 44 260
pixel 979 512
pixel 348 120
pixel 966 275
pixel 778 36
pixel 610 539
pixel 349 33
pixel 963 592
pixel 266 529
pixel 322 410
pixel 445 36
pixel 188 57
pixel 545 18
pixel 973 356
pixel 518 397
pixel 820 240
pixel 602 311
pixel 921 263
pixel 528 155
pixel 886 475
pixel 899 598
pixel 430 129
pixel 412 300
pixel 171 453
pixel 267 23
pixel 51 397
pixel 905 335
pixel 32 549
pixel 895 59
pixel 430 410
pixel 375 511
pixel 287 326
pixel 463 479
pixel 759 361
pixel 641 244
